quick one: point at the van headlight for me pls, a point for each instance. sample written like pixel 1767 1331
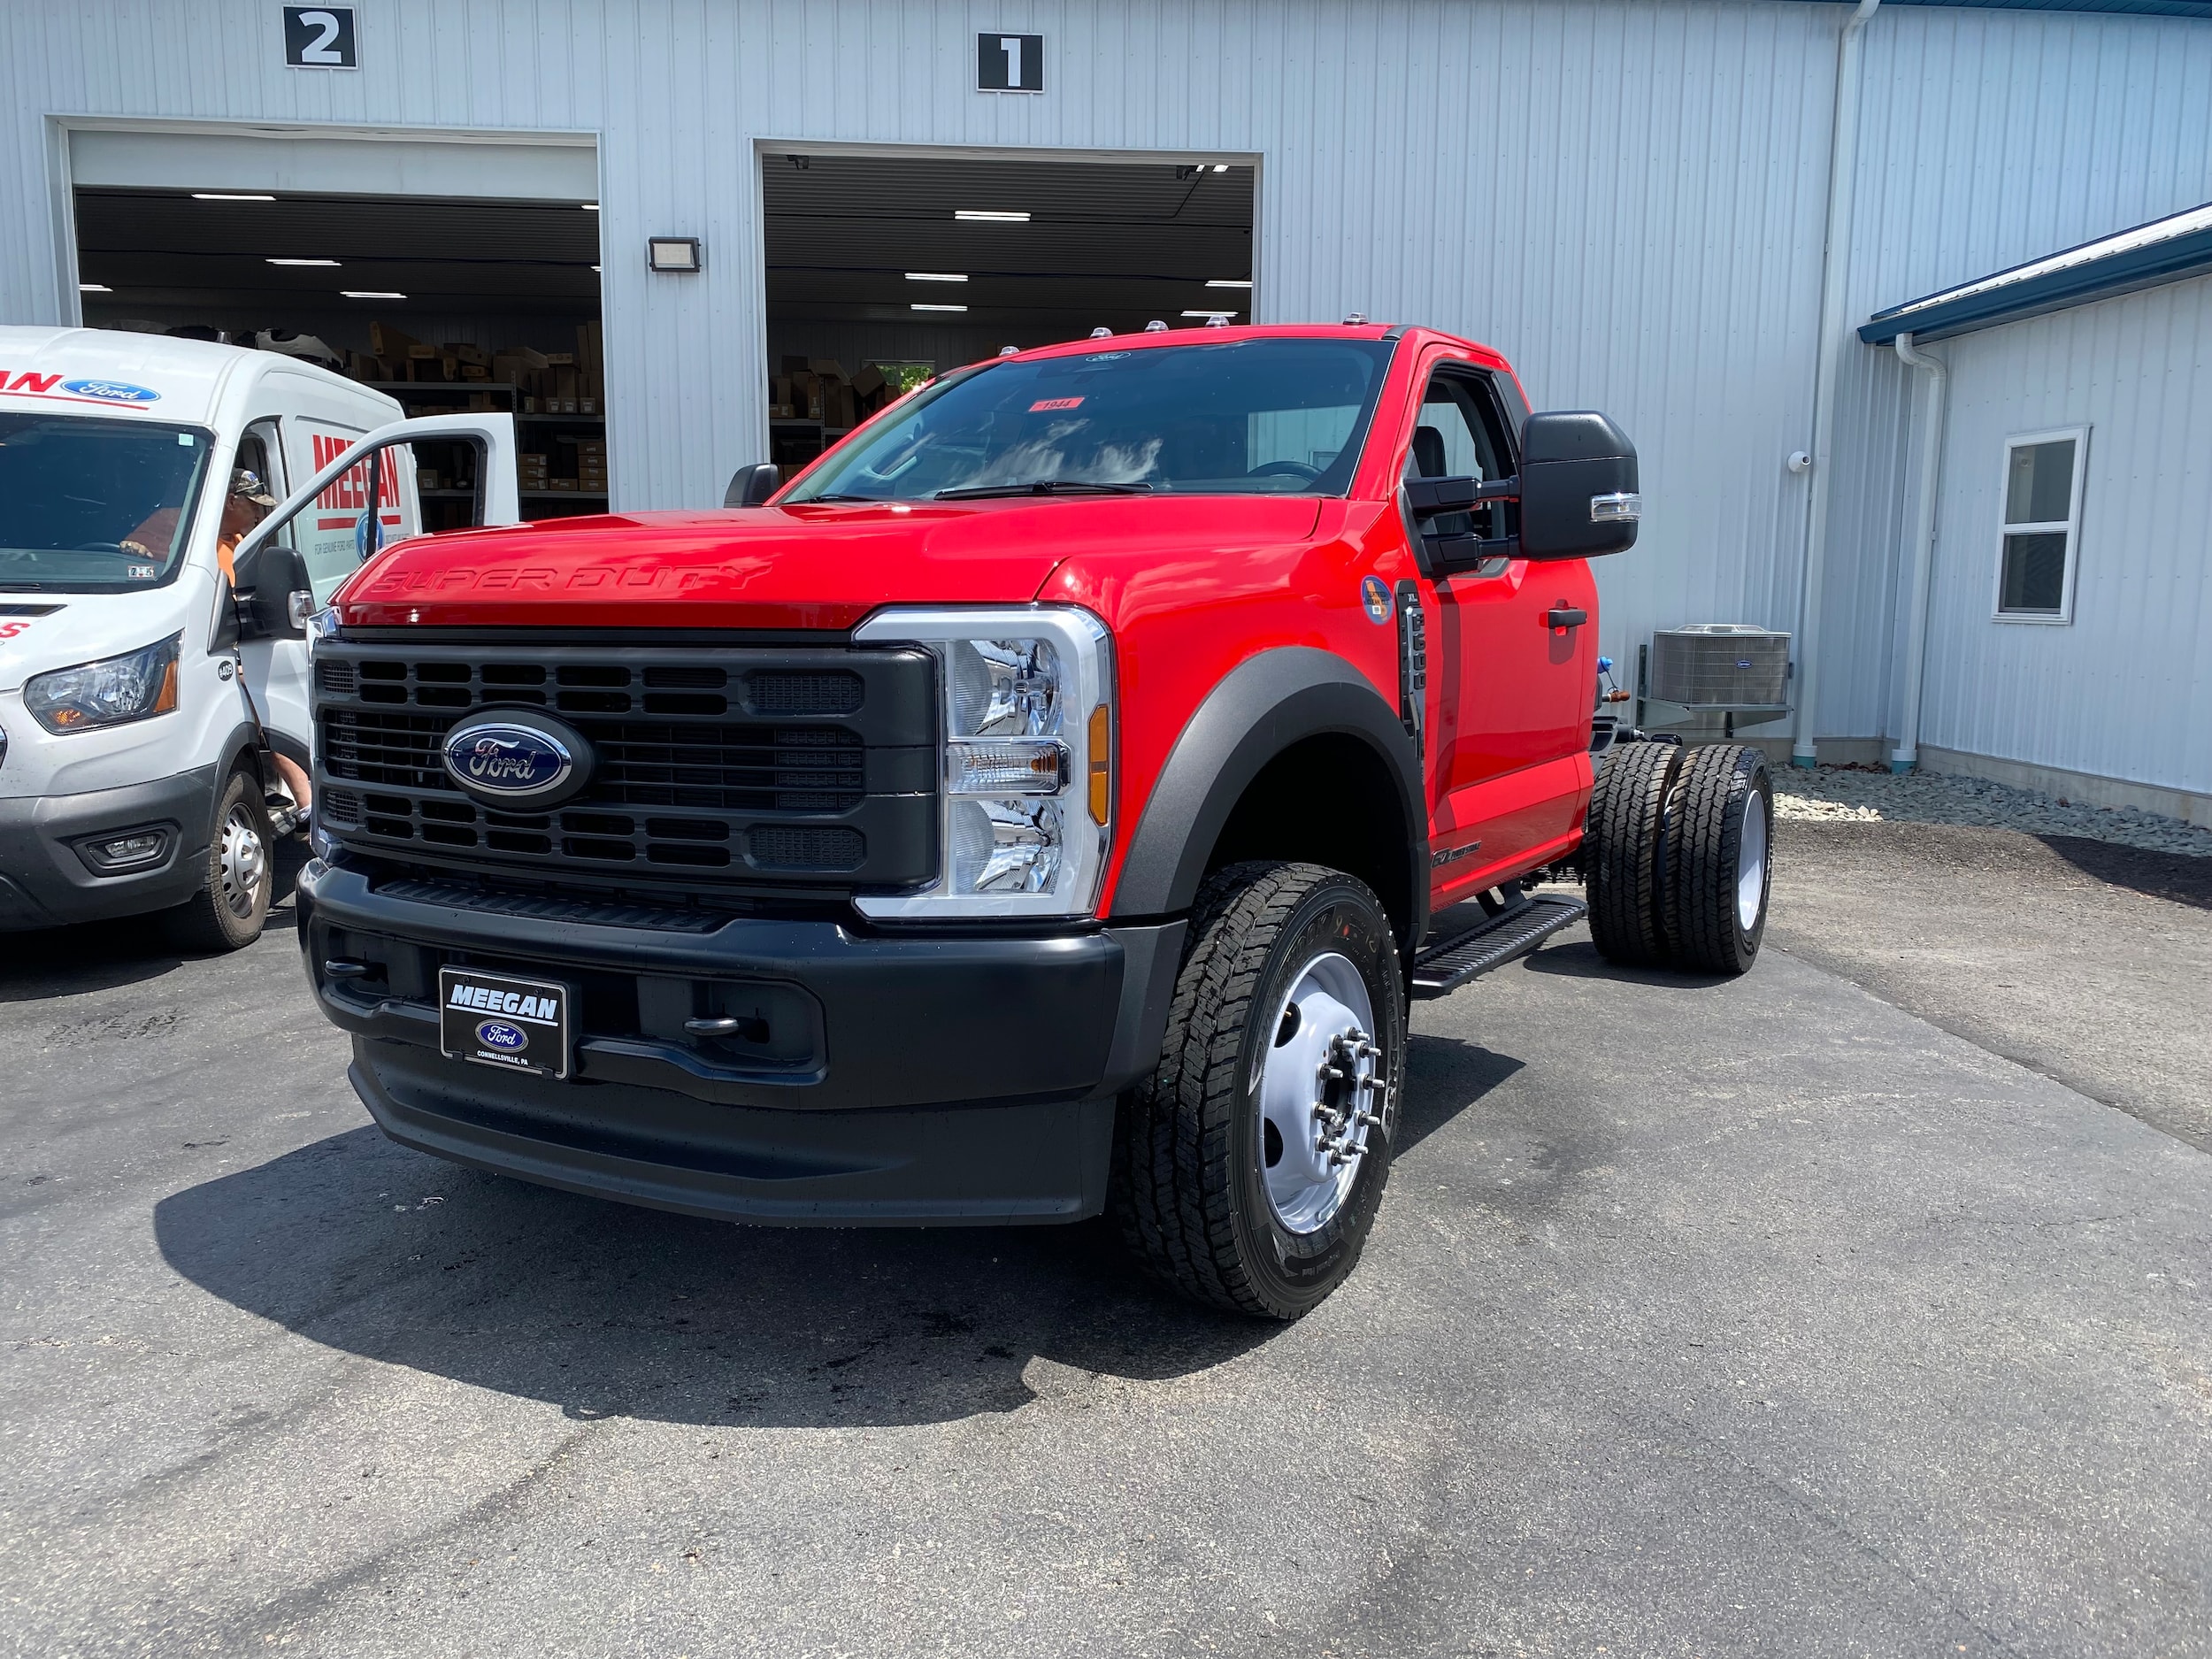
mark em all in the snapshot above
pixel 111 692
pixel 1028 759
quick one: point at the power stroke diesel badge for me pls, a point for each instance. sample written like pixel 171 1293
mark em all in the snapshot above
pixel 521 760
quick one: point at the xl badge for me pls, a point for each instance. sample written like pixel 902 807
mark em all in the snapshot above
pixel 523 760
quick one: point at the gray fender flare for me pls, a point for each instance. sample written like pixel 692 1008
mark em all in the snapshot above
pixel 1260 709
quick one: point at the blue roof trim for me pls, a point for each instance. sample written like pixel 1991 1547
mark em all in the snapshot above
pixel 1995 300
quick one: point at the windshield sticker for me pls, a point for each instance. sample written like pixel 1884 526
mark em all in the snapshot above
pixel 53 389
pixel 1055 402
pixel 1105 357
pixel 1374 598
pixel 143 573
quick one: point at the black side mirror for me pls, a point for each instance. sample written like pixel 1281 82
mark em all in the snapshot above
pixel 1579 486
pixel 279 575
pixel 751 486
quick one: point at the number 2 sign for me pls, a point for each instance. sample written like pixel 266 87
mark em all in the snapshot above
pixel 319 37
pixel 1010 63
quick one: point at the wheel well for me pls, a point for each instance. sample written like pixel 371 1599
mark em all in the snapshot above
pixel 1327 800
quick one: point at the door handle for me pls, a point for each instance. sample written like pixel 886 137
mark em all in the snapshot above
pixel 1565 617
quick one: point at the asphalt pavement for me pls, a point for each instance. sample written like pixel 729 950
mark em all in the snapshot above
pixel 1760 1316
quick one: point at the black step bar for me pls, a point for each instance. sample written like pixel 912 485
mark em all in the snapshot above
pixel 1515 927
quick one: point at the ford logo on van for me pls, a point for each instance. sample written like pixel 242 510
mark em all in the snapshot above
pixel 520 761
pixel 497 1033
pixel 111 391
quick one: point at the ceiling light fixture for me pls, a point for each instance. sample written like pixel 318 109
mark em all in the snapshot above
pixel 935 276
pixel 1229 282
pixel 328 262
pixel 1209 314
pixel 226 196
pixel 919 306
pixel 990 216
pixel 94 287
pixel 369 294
pixel 589 207
pixel 1221 166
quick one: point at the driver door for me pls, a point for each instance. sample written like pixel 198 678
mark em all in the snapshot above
pixel 1513 689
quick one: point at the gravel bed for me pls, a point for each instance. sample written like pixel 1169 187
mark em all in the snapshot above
pixel 1848 793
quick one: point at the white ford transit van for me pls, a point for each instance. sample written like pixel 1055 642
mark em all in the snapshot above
pixel 153 649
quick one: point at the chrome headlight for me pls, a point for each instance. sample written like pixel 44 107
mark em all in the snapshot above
pixel 1028 759
pixel 111 692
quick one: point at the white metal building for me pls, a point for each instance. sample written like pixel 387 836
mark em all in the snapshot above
pixel 1632 198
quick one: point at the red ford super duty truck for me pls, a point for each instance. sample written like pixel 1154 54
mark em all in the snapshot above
pixel 1049 802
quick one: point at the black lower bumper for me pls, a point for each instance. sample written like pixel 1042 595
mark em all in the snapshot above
pixel 46 881
pixel 875 1080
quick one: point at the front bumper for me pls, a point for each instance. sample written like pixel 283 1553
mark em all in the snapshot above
pixel 46 882
pixel 883 1079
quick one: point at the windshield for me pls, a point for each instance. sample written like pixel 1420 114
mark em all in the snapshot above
pixel 88 505
pixel 1249 416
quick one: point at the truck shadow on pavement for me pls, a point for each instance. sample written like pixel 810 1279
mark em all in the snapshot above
pixel 608 1311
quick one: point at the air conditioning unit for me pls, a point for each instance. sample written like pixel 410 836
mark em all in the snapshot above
pixel 1721 668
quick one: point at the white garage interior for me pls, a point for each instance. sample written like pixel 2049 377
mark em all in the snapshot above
pixel 911 264
pixel 453 277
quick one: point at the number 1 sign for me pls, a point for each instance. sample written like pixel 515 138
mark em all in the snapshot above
pixel 1010 63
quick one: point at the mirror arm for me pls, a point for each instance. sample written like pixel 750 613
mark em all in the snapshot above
pixel 1432 503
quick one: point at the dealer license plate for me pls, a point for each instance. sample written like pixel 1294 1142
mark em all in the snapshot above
pixel 496 1019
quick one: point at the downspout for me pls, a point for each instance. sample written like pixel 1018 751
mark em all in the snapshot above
pixel 1843 151
pixel 1935 377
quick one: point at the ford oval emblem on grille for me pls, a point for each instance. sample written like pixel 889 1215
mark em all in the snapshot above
pixel 521 760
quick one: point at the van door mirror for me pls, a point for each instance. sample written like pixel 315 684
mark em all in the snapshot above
pixel 1579 489
pixel 330 558
pixel 751 486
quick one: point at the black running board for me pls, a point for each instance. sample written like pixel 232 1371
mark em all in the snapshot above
pixel 1443 967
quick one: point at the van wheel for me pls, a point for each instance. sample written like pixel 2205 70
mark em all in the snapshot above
pixel 1719 875
pixel 1625 847
pixel 233 902
pixel 1252 1162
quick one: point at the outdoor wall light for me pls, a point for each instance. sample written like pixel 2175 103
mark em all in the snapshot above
pixel 672 253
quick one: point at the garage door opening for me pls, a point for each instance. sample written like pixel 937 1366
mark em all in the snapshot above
pixel 445 304
pixel 885 270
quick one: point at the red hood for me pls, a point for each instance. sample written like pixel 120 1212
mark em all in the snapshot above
pixel 805 566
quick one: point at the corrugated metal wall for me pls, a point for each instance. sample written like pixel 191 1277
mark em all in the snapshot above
pixel 2125 691
pixel 1988 138
pixel 1627 196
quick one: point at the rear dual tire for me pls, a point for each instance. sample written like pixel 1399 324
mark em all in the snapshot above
pixel 1676 856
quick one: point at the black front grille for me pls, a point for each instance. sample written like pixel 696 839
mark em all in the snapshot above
pixel 776 766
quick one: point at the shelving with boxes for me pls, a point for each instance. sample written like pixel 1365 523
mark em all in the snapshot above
pixel 813 402
pixel 557 398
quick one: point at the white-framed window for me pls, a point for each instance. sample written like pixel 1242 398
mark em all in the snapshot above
pixel 2041 531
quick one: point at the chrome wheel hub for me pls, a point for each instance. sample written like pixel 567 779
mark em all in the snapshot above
pixel 1751 862
pixel 244 863
pixel 1320 1091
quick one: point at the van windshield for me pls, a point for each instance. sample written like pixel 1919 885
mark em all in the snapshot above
pixel 93 505
pixel 1248 417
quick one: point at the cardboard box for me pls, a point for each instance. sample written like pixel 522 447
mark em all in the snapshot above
pixel 465 352
pixel 387 342
pixel 869 382
pixel 828 368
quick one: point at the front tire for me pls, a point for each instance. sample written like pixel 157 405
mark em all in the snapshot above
pixel 228 912
pixel 1252 1161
